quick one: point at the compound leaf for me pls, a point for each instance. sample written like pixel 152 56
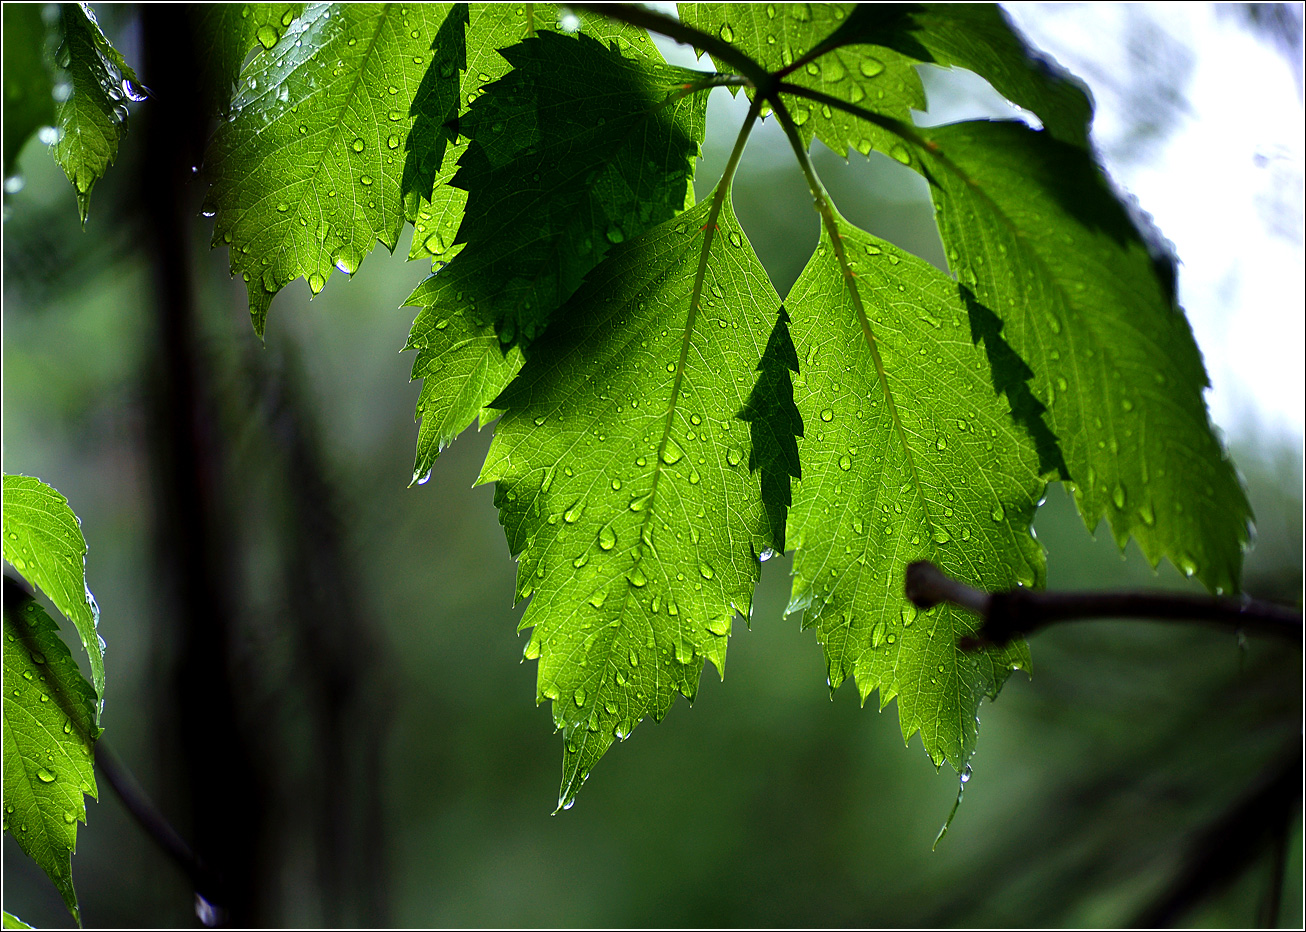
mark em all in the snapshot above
pixel 1086 295
pixel 49 734
pixel 909 454
pixel 623 480
pixel 43 541
pixel 783 35
pixel 92 117
pixel 306 171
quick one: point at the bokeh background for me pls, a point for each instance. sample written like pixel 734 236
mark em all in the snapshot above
pixel 383 761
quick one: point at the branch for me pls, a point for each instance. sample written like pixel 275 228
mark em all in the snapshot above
pixel 1013 614
pixel 208 886
pixel 683 33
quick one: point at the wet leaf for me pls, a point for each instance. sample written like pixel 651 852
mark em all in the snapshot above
pixel 92 118
pixel 908 454
pixel 43 541
pixel 623 480
pixel 49 735
pixel 306 171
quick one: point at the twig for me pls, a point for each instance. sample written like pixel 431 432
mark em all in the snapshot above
pixel 1013 614
pixel 208 885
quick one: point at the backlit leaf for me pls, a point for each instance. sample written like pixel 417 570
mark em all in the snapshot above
pixel 1086 296
pixel 43 541
pixel 908 454
pixel 306 171
pixel 49 734
pixel 624 484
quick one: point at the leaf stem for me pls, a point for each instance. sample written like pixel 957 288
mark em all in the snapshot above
pixel 1018 612
pixel 709 233
pixel 821 200
pixel 683 33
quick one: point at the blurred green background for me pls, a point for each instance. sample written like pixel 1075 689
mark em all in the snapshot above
pixel 422 795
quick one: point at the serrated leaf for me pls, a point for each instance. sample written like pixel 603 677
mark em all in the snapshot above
pixel 93 118
pixel 592 181
pixel 575 150
pixel 27 81
pixel 908 454
pixel 43 541
pixel 623 480
pixel 461 362
pixel 1087 300
pixel 49 734
pixel 980 38
pixel 306 171
pixel 13 922
pixel 778 35
pixel 494 26
pixel 228 31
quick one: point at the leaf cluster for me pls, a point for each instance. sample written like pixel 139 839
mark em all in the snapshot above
pixel 666 419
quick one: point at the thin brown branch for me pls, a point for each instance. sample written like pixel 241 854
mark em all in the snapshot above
pixel 1018 612
pixel 683 33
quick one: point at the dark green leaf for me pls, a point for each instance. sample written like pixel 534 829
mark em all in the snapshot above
pixel 461 358
pixel 774 428
pixel 577 149
pixel 27 81
pixel 623 480
pixel 435 110
pixel 49 734
pixel 494 26
pixel 978 37
pixel 91 120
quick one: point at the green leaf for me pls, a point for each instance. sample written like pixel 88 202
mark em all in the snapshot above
pixel 228 31
pixel 774 428
pixel 780 35
pixel 43 541
pixel 608 162
pixel 1087 300
pixel 623 480
pixel 27 81
pixel 306 171
pixel 462 364
pixel 493 26
pixel 908 455
pixel 13 922
pixel 93 118
pixel 575 150
pixel 49 734
pixel 978 37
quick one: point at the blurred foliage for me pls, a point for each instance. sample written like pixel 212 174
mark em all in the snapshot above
pixel 772 803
